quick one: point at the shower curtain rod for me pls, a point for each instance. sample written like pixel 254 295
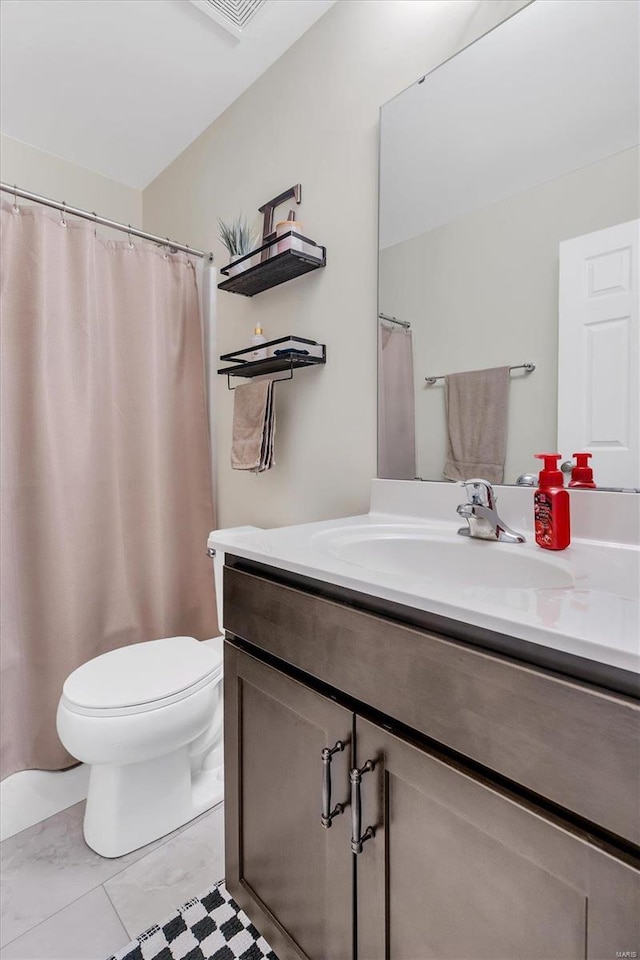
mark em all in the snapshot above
pixel 401 323
pixel 112 224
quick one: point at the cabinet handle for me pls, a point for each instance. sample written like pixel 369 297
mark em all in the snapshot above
pixel 327 813
pixel 358 839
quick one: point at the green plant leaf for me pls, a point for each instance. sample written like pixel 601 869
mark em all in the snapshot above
pixel 236 236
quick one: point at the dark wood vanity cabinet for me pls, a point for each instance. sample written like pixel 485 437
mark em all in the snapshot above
pixel 293 877
pixel 458 870
pixel 460 866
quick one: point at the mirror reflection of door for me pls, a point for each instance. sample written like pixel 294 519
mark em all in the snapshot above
pixel 599 351
pixel 523 141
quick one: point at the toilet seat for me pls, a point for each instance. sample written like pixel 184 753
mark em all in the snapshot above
pixel 141 677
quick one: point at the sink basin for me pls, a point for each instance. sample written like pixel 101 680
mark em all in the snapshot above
pixel 444 558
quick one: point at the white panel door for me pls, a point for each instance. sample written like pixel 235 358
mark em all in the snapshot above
pixel 599 352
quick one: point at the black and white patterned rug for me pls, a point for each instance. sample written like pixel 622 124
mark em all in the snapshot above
pixel 210 927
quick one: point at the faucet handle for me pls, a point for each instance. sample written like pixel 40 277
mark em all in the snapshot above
pixel 479 491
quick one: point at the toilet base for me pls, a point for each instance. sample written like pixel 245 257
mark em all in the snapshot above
pixel 131 805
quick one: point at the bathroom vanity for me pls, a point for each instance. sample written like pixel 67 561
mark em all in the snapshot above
pixel 404 783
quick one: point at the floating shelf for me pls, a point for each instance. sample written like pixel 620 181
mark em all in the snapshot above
pixel 280 259
pixel 275 363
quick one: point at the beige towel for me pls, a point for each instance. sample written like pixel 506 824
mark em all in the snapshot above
pixel 477 410
pixel 254 426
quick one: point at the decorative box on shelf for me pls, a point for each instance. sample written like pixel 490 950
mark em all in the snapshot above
pixel 285 354
pixel 276 261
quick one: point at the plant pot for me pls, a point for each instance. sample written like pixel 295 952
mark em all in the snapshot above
pixel 235 267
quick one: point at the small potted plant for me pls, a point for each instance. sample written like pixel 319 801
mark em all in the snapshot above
pixel 239 241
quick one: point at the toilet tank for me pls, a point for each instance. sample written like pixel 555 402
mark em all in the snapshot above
pixel 218 567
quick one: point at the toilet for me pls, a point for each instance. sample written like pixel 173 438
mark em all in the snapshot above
pixel 147 718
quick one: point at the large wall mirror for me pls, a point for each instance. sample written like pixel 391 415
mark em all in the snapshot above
pixel 509 206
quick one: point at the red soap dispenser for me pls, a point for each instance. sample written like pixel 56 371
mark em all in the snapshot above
pixel 551 506
pixel 582 474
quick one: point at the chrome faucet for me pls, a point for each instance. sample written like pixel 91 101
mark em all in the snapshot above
pixel 481 514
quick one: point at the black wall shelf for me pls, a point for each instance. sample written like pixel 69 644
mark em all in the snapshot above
pixel 286 361
pixel 266 267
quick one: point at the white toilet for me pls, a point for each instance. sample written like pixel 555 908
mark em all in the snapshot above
pixel 147 718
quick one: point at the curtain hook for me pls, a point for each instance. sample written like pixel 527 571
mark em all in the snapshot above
pixel 131 244
pixel 63 222
pixel 167 247
pixel 95 223
pixel 15 198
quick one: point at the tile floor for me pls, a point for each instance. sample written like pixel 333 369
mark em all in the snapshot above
pixel 61 901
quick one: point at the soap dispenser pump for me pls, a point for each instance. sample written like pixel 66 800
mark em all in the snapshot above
pixel 582 474
pixel 551 506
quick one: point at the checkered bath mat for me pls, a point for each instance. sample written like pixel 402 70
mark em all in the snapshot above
pixel 211 927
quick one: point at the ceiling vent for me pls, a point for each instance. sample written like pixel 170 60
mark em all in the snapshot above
pixel 233 15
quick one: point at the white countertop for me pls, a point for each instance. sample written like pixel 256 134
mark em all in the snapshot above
pixel 588 606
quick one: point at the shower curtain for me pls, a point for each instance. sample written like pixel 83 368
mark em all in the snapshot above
pixel 396 404
pixel 106 479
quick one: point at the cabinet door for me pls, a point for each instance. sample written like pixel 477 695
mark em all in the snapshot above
pixel 292 876
pixel 459 870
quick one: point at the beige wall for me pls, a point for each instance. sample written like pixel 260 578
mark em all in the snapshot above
pixel 313 118
pixel 42 173
pixel 482 291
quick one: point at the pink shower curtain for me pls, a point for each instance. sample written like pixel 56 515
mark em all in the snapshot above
pixel 396 404
pixel 106 487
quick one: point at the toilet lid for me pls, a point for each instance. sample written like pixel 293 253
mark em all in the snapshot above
pixel 141 673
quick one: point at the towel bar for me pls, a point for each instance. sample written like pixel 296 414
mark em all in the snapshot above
pixel 527 367
pixel 273 379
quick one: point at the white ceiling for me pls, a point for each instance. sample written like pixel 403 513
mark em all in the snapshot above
pixel 121 87
pixel 551 90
